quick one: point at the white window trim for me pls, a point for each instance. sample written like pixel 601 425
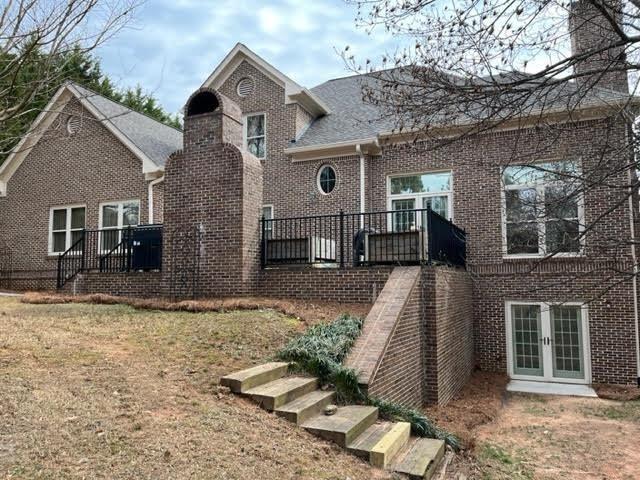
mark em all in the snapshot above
pixel 545 308
pixel 245 139
pixel 120 225
pixel 270 207
pixel 68 226
pixel 335 172
pixel 541 236
pixel 269 226
pixel 419 196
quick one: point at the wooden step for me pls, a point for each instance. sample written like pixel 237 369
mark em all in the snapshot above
pixel 343 426
pixel 381 442
pixel 305 407
pixel 275 394
pixel 419 459
pixel 240 382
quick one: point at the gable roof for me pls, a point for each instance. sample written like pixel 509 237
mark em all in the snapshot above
pixel 294 93
pixel 149 140
pixel 352 120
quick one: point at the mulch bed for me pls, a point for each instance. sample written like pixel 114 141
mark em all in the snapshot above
pixel 623 393
pixel 309 312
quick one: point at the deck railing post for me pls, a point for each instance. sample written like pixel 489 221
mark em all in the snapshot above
pixel 263 243
pixel 83 243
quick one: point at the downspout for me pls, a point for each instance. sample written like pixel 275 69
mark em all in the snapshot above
pixel 152 183
pixel 362 184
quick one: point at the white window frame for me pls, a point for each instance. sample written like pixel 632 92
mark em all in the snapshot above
pixel 417 197
pixel 545 310
pixel 68 229
pixel 120 226
pixel 319 172
pixel 268 226
pixel 245 124
pixel 541 222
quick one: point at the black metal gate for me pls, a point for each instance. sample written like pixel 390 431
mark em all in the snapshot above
pixel 185 263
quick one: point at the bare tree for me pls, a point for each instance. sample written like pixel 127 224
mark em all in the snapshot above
pixel 535 67
pixel 36 34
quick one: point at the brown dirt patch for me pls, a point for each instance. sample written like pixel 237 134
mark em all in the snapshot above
pixel 622 393
pixel 113 392
pixel 478 403
pixel 310 312
pixel 518 437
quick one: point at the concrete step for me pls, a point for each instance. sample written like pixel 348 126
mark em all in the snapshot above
pixel 419 459
pixel 240 382
pixel 275 394
pixel 305 407
pixel 344 426
pixel 381 442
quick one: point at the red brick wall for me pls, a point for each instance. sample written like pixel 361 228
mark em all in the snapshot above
pixel 449 350
pixel 87 168
pixel 353 285
pixel 134 284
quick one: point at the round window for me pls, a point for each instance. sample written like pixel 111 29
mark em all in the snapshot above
pixel 326 179
pixel 245 87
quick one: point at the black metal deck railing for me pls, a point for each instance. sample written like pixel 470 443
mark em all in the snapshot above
pixel 112 250
pixel 399 237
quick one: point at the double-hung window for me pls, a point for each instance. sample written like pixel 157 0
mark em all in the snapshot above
pixel 267 214
pixel 66 227
pixel 114 216
pixel 543 209
pixel 255 136
pixel 419 191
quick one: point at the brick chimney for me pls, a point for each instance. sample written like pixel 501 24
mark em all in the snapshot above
pixel 592 31
pixel 212 204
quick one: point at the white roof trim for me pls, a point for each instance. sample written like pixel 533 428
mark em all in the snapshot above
pixel 294 93
pixel 44 120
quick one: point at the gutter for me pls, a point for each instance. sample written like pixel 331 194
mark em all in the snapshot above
pixel 150 186
pixel 362 184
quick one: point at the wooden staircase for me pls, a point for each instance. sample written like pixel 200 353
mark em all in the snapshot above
pixel 357 428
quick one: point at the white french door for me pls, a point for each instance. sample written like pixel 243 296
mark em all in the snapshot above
pixel 548 342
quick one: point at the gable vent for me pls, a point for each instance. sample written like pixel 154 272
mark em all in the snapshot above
pixel 245 87
pixel 73 125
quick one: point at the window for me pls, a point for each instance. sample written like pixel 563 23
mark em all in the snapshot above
pixel 326 179
pixel 542 209
pixel 115 216
pixel 417 192
pixel 255 134
pixel 267 214
pixel 66 226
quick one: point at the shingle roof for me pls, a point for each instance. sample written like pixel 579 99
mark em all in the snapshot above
pixel 156 140
pixel 352 119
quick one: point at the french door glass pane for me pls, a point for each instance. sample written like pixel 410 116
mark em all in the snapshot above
pixel 60 219
pixel 404 221
pixel 527 340
pixel 110 239
pixel 567 347
pixel 256 146
pixel 59 242
pixel 77 218
pixel 130 214
pixel 439 204
pixel 109 216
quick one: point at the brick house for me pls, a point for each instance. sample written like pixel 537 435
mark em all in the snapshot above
pixel 256 144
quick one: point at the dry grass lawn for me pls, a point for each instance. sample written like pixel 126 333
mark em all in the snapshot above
pixel 106 391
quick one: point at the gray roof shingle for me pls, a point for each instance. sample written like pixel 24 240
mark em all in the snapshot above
pixel 156 140
pixel 353 119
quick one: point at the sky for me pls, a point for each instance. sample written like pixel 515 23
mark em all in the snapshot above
pixel 172 46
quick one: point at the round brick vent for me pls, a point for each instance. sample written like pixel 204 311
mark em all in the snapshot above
pixel 73 125
pixel 245 87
